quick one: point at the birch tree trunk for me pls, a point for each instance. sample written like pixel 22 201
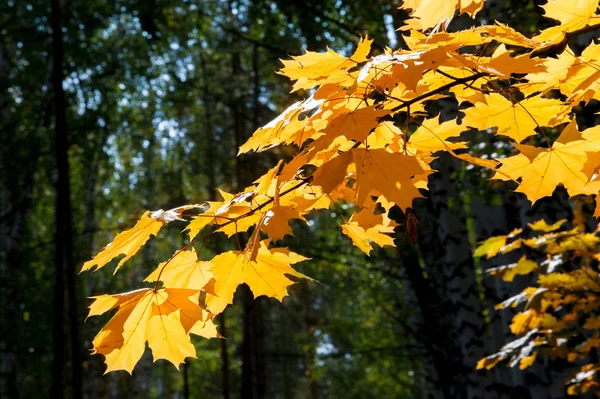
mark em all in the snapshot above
pixel 448 259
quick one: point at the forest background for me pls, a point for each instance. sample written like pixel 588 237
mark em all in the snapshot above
pixel 159 95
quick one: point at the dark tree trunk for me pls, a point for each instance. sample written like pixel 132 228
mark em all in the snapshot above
pixel 186 382
pixel 253 378
pixel 448 260
pixel 435 335
pixel 64 230
pixel 224 357
pixel 94 384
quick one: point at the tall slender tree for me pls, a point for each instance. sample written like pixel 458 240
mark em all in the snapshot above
pixel 63 239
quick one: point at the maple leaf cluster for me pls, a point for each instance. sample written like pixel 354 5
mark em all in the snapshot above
pixel 561 313
pixel 364 136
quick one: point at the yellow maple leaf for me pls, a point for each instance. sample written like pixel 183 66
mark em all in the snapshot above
pixel 488 362
pixel 333 172
pixel 527 361
pixel 287 128
pixel 582 242
pixel 268 183
pixel 556 74
pixel 508 272
pixel 183 271
pixel 516 121
pixel 265 276
pixel 379 171
pixel 572 14
pixel 126 243
pixel 162 318
pixel 429 13
pixel 542 169
pixel 491 246
pixel 432 136
pixel 541 225
pixel 585 91
pixel 276 222
pixel 469 37
pixel 530 319
pixel 168 340
pixel 497 244
pixel 313 69
pixel 234 212
pixel 385 134
pixel 365 227
pixel 355 123
pixel 501 63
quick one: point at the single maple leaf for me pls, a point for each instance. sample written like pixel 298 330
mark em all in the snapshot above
pixel 126 243
pixel 355 123
pixel 542 169
pixel 129 242
pixel 365 227
pixel 572 14
pixel 429 13
pixel 377 171
pixel 268 183
pixel 508 272
pixel 502 63
pixel 515 120
pixel 507 35
pixel 432 136
pixel 162 318
pixel 541 225
pixel 265 276
pixel 389 174
pixel 276 222
pixel 234 212
pixel 184 270
pixel 290 127
pixel 558 74
pixel 333 172
pixel 313 69
pixel 469 37
pixel 497 244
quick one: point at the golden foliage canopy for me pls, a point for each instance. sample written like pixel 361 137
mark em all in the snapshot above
pixel 363 137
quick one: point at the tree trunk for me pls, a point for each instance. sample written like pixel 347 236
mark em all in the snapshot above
pixel 448 259
pixel 95 384
pixel 64 265
pixel 435 335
